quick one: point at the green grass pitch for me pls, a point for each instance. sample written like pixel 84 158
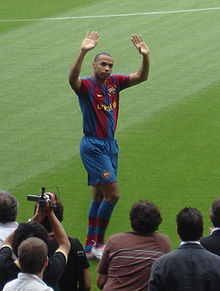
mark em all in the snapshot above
pixel 168 129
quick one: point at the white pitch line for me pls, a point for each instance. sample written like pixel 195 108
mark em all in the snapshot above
pixel 111 15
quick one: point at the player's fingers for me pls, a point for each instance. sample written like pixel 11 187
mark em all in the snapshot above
pixel 140 38
pixel 94 35
pixel 135 39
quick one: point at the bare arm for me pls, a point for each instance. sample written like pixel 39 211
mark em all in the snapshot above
pixel 89 42
pixel 101 280
pixel 87 281
pixel 143 72
pixel 60 234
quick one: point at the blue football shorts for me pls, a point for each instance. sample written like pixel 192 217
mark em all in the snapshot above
pixel 100 159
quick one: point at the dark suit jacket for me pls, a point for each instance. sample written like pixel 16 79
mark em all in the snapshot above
pixel 188 268
pixel 212 242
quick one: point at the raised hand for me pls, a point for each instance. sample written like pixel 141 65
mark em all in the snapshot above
pixel 90 41
pixel 140 44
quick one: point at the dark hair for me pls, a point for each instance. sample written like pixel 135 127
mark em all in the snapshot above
pixel 189 224
pixel 26 230
pixel 32 254
pixel 8 207
pixel 215 212
pixel 100 54
pixel 145 216
pixel 58 211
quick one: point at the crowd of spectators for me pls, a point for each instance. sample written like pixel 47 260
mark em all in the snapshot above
pixel 39 255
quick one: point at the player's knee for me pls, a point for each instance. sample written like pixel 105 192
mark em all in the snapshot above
pixel 115 197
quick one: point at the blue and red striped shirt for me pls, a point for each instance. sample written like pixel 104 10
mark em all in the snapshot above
pixel 100 105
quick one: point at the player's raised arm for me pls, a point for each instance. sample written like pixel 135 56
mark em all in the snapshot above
pixel 143 72
pixel 89 42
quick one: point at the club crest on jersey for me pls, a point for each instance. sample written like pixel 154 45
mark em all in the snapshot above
pixel 106 175
pixel 112 90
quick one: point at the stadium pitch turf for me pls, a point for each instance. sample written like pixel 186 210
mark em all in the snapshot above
pixel 168 129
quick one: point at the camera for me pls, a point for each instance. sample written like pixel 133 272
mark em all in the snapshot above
pixel 41 199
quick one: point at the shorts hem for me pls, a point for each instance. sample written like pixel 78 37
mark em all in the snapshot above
pixel 102 183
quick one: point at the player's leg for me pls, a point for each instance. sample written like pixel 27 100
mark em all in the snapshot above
pixel 100 213
pixel 100 160
pixel 111 196
pixel 92 159
pixel 110 192
pixel 97 198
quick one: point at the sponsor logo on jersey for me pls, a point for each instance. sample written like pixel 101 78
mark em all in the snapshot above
pixel 107 107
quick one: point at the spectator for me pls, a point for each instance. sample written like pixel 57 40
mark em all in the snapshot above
pixel 76 275
pixel 190 267
pixel 9 267
pixel 32 257
pixel 8 215
pixel 212 242
pixel 128 256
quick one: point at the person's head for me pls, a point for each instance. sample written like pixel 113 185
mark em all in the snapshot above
pixel 102 66
pixel 189 224
pixel 215 212
pixel 32 255
pixel 27 230
pixel 145 216
pixel 8 207
pixel 58 211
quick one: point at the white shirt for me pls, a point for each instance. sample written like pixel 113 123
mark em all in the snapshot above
pixel 26 282
pixel 6 229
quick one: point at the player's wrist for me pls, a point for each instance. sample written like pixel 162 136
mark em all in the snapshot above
pixel 83 51
pixel 145 54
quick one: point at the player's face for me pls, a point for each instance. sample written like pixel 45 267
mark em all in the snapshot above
pixel 102 67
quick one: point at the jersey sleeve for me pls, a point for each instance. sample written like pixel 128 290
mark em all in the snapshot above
pixel 122 81
pixel 84 88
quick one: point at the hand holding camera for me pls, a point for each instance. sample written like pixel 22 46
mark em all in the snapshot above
pixel 45 203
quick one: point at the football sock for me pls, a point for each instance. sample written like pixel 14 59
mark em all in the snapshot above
pixel 91 235
pixel 103 217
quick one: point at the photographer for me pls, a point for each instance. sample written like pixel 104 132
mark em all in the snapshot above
pixel 76 275
pixel 9 268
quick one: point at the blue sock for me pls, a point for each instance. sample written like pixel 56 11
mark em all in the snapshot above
pixel 103 216
pixel 91 235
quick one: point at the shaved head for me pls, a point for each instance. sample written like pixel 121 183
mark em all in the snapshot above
pixel 101 54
